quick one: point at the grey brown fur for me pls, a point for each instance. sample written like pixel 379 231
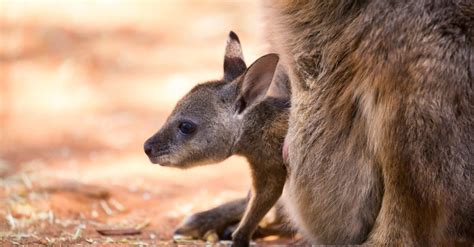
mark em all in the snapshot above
pixel 381 129
pixel 237 115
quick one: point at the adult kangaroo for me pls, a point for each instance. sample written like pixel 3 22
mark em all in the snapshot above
pixel 381 130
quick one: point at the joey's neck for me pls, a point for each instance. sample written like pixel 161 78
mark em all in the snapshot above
pixel 263 130
pixel 259 155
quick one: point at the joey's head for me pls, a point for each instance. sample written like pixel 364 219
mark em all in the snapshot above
pixel 206 124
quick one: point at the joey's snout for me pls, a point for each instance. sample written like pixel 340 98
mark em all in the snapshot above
pixel 157 153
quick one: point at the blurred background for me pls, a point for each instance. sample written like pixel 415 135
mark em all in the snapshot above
pixel 83 83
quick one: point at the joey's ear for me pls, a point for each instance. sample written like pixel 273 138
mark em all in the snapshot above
pixel 257 80
pixel 234 64
pixel 280 86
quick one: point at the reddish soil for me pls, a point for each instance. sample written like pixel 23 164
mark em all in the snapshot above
pixel 82 85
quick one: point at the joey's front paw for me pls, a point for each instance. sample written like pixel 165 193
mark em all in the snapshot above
pixel 240 239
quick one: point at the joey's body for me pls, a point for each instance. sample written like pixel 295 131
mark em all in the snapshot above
pixel 261 144
pixel 381 129
pixel 246 113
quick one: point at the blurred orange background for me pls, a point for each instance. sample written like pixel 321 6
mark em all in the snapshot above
pixel 82 85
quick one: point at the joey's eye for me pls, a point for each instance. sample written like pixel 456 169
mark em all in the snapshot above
pixel 187 128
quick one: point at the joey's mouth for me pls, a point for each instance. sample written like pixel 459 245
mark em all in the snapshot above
pixel 162 160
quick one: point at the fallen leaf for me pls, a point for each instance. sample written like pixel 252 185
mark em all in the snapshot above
pixel 119 232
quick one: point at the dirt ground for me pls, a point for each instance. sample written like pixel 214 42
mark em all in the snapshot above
pixel 82 85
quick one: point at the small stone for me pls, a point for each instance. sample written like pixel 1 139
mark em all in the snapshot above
pixel 211 236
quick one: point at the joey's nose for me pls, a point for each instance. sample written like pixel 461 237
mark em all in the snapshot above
pixel 148 148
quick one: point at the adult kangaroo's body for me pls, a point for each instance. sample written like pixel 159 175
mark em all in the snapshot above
pixel 381 131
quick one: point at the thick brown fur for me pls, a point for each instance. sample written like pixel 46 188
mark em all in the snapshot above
pixel 381 131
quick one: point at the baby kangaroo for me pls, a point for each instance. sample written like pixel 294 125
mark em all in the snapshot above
pixel 245 114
